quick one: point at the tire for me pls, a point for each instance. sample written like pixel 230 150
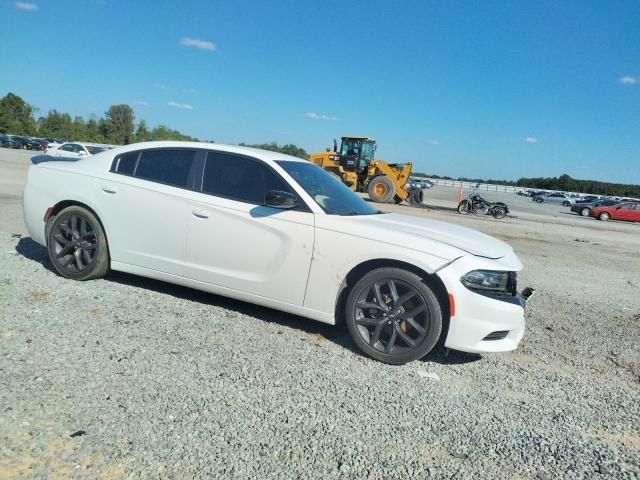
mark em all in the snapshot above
pixel 604 216
pixel 539 200
pixel 499 212
pixel 566 204
pixel 397 200
pixel 585 212
pixel 381 189
pixel 393 316
pixel 77 244
pixel 463 207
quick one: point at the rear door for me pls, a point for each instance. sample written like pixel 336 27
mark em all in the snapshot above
pixel 143 207
pixel 234 241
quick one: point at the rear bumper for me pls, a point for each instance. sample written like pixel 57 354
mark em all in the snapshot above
pixel 483 324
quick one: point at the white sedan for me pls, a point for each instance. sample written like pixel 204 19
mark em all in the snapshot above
pixel 277 231
pixel 74 150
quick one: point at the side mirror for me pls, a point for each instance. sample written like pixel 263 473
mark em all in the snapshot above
pixel 280 199
pixel 82 153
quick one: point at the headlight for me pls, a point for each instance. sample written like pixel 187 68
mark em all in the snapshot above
pixel 487 280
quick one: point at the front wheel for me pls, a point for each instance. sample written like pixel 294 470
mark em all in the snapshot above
pixel 463 207
pixel 539 200
pixel 393 316
pixel 381 189
pixel 566 203
pixel 499 212
pixel 77 244
pixel 585 212
pixel 604 216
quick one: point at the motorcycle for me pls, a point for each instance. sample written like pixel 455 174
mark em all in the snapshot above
pixel 475 204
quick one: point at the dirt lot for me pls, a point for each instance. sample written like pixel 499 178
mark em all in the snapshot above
pixel 127 377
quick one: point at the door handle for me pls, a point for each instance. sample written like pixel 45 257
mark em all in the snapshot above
pixel 200 213
pixel 109 189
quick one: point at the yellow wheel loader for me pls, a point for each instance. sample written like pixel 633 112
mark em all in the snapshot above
pixel 355 166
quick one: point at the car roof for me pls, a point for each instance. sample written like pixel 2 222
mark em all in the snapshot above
pixel 253 152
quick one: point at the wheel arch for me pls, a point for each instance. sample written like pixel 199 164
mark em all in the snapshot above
pixel 431 279
pixel 61 205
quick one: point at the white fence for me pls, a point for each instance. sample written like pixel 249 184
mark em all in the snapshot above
pixel 481 186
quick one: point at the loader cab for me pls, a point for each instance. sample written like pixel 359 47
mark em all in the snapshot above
pixel 356 153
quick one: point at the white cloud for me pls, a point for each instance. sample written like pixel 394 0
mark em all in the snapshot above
pixel 189 91
pixel 140 103
pixel 629 80
pixel 432 141
pixel 195 43
pixel 182 106
pixel 160 86
pixel 29 7
pixel 531 140
pixel 317 116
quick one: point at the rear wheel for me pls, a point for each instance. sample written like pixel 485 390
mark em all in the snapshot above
pixel 585 212
pixel 77 244
pixel 393 316
pixel 499 212
pixel 381 189
pixel 566 203
pixel 539 200
pixel 604 216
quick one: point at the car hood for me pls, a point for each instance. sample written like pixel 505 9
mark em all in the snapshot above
pixel 419 234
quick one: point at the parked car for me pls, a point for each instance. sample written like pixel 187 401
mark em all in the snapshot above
pixel 588 199
pixel 27 143
pixel 417 182
pixel 278 231
pixel 13 141
pixel 559 198
pixel 623 211
pixel 585 208
pixel 75 149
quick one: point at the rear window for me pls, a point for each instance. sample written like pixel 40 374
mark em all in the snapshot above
pixel 171 167
pixel 126 163
pixel 95 149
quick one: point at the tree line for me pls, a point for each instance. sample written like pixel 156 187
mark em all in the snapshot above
pixel 116 127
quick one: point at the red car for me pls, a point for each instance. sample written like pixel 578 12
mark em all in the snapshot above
pixel 621 211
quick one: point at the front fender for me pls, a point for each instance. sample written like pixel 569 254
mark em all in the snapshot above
pixel 336 254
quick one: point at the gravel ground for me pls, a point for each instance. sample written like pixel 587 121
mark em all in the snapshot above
pixel 129 377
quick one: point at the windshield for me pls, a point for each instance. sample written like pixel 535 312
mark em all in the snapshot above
pixel 334 197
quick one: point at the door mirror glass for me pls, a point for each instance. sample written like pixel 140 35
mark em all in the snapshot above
pixel 280 199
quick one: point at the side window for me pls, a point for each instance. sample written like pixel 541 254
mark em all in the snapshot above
pixel 172 167
pixel 78 148
pixel 125 163
pixel 239 178
pixel 68 147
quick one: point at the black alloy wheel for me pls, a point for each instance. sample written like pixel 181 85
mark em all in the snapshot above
pixel 77 244
pixel 393 316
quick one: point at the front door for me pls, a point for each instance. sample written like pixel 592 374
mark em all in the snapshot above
pixel 236 242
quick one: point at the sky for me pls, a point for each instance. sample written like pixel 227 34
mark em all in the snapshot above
pixel 489 89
